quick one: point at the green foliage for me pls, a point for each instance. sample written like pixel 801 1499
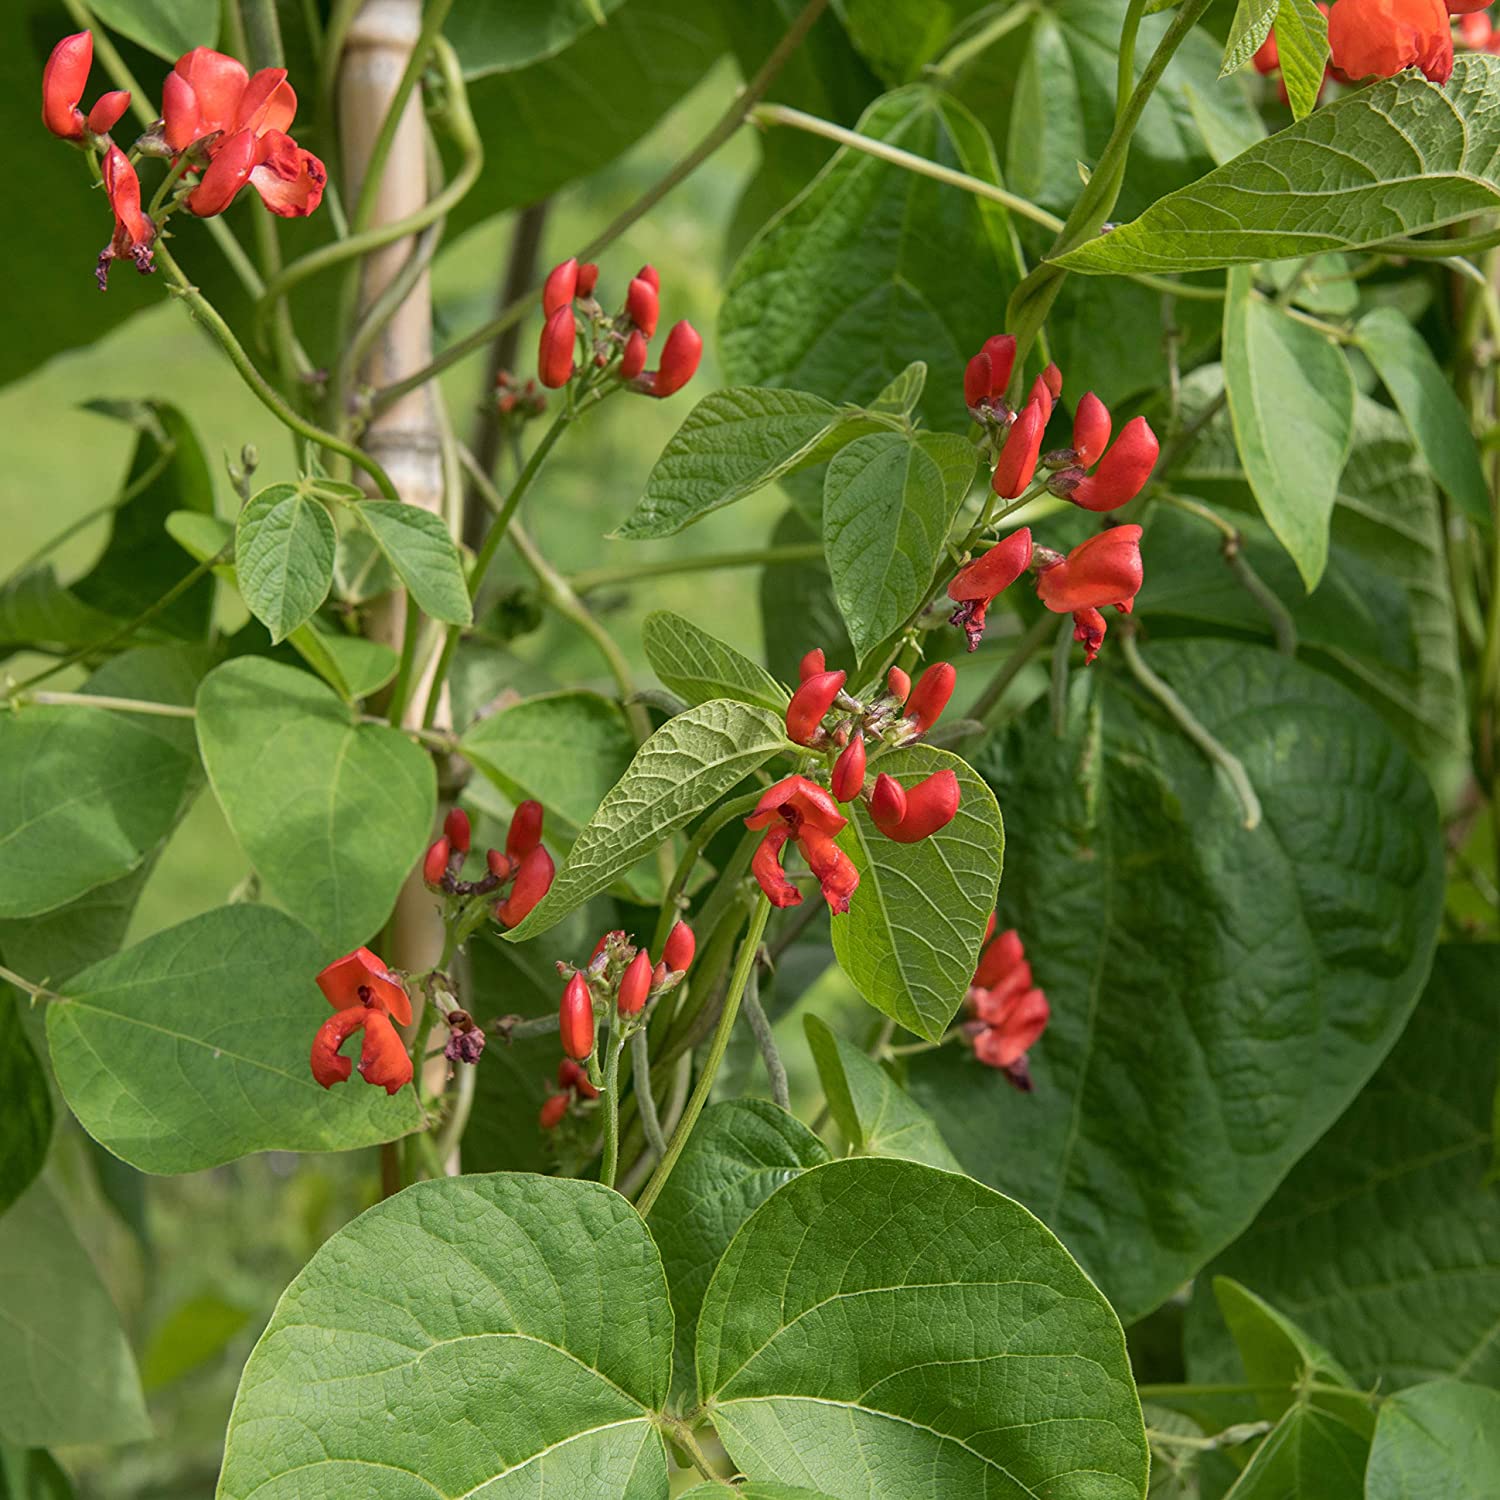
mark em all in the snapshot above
pixel 166 27
pixel 1439 1441
pixel 1302 47
pixel 283 556
pixel 26 1121
pixel 911 937
pixel 415 542
pixel 333 813
pixel 698 666
pixel 190 1048
pixel 492 37
pixel 1218 994
pixel 926 1323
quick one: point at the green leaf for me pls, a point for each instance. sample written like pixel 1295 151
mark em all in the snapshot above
pixel 898 36
pixel 733 443
pixel 194 1332
pixel 490 36
pixel 283 556
pixel 875 1115
pixel 888 505
pixel 166 27
pixel 417 545
pixel 56 945
pixel 352 666
pixel 190 1049
pixel 1250 27
pixel 900 397
pixel 1291 399
pixel 884 1318
pixel 1222 994
pixel 1302 46
pixel 797 607
pixel 332 812
pixel 685 767
pixel 1439 1441
pixel 912 934
pixel 1384 1241
pixel 1425 398
pixel 698 666
pixel 68 1375
pixel 32 1474
pixel 768 1490
pixel 26 1120
pixel 1395 159
pixel 873 267
pixel 739 1153
pixel 511 1334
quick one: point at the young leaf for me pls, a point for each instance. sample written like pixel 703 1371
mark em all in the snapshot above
pixel 68 1374
pixel 888 505
pixel 1424 396
pixel 741 1151
pixel 900 397
pixel 416 544
pixel 1250 27
pixel 1302 47
pixel 697 666
pixel 685 767
pixel 1439 1441
pixel 511 1334
pixel 1291 398
pixel 1342 179
pixel 911 937
pixel 876 1116
pixel 885 1317
pixel 26 1120
pixel 733 443
pixel 283 556
pixel 1246 982
pixel 224 1007
pixel 332 812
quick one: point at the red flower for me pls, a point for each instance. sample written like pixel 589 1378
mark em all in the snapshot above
pixel 533 881
pixel 134 232
pixel 1011 1013
pixel 1091 424
pixel 988 373
pixel 679 359
pixel 813 699
pixel 365 995
pixel 1104 570
pixel 525 831
pixel 832 868
pixel 1378 38
pixel 242 123
pixel 63 81
pixel 765 865
pixel 1089 627
pixel 910 814
pixel 808 813
pixel 1005 1041
pixel 798 802
pixel 976 584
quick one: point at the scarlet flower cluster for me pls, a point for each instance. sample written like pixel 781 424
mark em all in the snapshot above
pixel 801 811
pixel 1009 1012
pixel 520 875
pixel 569 292
pixel 1380 38
pixel 366 996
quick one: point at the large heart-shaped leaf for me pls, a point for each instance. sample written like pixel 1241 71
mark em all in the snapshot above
pixel 283 556
pixel 1384 1241
pixel 697 666
pixel 190 1048
pixel 739 1153
pixel 685 767
pixel 1380 163
pixel 912 934
pixel 882 1318
pixel 1439 1441
pixel 68 1375
pixel 332 812
pixel 1218 995
pixel 888 504
pixel 510 1335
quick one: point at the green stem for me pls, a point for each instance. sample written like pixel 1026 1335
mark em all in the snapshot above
pixel 707 562
pixel 765 1039
pixel 610 1164
pixel 118 705
pixel 1125 66
pixel 645 1098
pixel 36 991
pixel 749 949
pixel 1025 648
pixel 970 47
pixel 458 1121
pixel 1469 244
pixel 732 118
pixel 671 901
pixel 208 315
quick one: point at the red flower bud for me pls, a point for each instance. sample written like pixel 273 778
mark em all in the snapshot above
pixel 63 81
pixel 571 1076
pixel 1052 378
pixel 561 287
pixel 554 1109
pixel 930 805
pixel 525 831
pixel 575 1019
pixel 1023 446
pixel 930 696
pixel 679 359
pixel 999 958
pixel 383 1060
pixel 812 664
pixel 435 866
pixel 832 868
pixel 1089 627
pixel 899 684
pixel 588 278
pixel 649 276
pixel 849 770
pixel 988 373
pixel 680 947
pixel 501 866
pixel 887 802
pixel 533 881
pixel 107 111
pixel 804 714
pixel 1091 426
pixel 1378 38
pixel 1106 569
pixel 642 306
pixel 635 984
pixel 1122 472
pixel 766 867
pixel 555 357
pixel 633 360
pixel 977 379
pixel 456 827
pixel 327 1066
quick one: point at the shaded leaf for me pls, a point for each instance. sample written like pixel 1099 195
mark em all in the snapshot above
pixel 1302 48
pixel 26 1120
pixel 490 36
pixel 1439 1441
pixel 194 1332
pixel 698 666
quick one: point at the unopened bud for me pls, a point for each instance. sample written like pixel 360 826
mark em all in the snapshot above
pixel 811 664
pixel 642 306
pixel 575 1017
pixel 456 827
pixel 588 278
pixel 562 284
pixel 680 947
pixel 435 866
pixel 633 359
pixel 899 684
pixel 849 770
pixel 635 985
pixel 804 714
pixel 554 1109
pixel 555 356
pixel 930 696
